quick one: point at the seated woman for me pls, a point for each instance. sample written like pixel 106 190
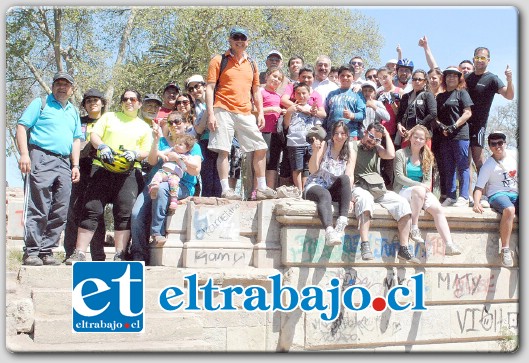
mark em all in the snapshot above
pixel 331 169
pixel 413 180
pixel 149 215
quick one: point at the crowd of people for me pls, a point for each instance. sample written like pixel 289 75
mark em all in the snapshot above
pixel 328 131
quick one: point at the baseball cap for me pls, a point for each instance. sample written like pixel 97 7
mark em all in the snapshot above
pixel 172 84
pixel 316 131
pixel 92 92
pixel 275 52
pixel 452 70
pixel 194 78
pixel 238 30
pixel 63 75
pixel 369 84
pixel 153 97
pixel 497 135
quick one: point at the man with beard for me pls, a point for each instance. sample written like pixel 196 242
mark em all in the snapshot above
pixel 404 70
pixel 369 188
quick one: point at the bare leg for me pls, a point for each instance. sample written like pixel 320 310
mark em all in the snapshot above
pixel 440 221
pixel 84 236
pixel 120 239
pixel 418 195
pixel 404 226
pixel 506 223
pixel 259 163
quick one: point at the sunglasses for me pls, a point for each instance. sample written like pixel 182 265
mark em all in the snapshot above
pixel 372 137
pixel 175 122
pixel 355 63
pixel 131 99
pixel 480 58
pixel 238 37
pixel 496 143
pixel 185 102
pixel 196 87
pixel 418 79
pixel 373 76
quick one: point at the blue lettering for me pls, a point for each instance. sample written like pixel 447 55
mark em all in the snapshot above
pixel 228 296
pixel 167 294
pixel 348 298
pixel 391 300
pixel 208 289
pixel 419 292
pixel 277 291
pixel 260 299
pixel 192 292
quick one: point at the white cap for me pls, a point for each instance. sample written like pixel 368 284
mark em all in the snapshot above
pixel 392 60
pixel 275 52
pixel 195 78
pixel 369 84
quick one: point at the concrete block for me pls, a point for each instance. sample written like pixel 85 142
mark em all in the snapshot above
pixel 218 253
pixel 177 222
pixel 216 338
pixel 245 339
pixel 22 312
pixel 15 224
pixel 267 255
pixel 214 223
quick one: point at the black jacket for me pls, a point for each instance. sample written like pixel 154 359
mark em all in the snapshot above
pixel 422 111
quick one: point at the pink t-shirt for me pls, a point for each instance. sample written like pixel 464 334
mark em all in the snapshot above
pixel 270 99
pixel 315 97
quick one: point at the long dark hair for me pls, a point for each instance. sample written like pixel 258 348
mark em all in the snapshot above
pixel 344 152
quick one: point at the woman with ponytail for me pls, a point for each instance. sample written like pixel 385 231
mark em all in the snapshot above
pixel 413 180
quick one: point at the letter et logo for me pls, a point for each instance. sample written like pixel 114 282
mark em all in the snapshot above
pixel 108 297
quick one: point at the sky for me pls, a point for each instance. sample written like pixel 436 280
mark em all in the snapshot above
pixel 453 33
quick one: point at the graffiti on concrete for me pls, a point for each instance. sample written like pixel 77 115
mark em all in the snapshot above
pixel 466 284
pixel 486 319
pixel 203 257
pixel 217 222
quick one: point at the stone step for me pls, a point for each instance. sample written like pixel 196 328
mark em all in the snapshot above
pixel 60 277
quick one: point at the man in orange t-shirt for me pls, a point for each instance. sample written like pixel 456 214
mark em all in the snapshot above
pixel 229 111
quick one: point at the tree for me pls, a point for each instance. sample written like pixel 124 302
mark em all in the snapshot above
pixel 145 47
pixel 505 118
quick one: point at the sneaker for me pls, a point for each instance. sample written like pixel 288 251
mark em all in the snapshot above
pixel 340 226
pixel 405 255
pixel 365 250
pixel 32 260
pixel 50 260
pixel 230 194
pixel 268 193
pixel 76 256
pixel 506 258
pixel 460 202
pixel 158 240
pixel 415 235
pixel 448 202
pixel 119 256
pixel 288 192
pixel 451 250
pixel 333 238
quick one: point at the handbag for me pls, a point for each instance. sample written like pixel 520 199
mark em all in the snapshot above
pixel 373 183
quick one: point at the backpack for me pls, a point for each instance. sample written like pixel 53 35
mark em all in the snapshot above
pixel 223 64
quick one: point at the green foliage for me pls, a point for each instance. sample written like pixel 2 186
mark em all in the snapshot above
pixel 145 47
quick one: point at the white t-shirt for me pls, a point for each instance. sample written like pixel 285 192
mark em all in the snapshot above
pixel 499 179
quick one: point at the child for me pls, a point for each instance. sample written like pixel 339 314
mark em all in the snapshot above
pixel 272 110
pixel 172 171
pixel 298 123
pixel 344 104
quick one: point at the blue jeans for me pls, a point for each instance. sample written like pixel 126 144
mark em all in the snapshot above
pixel 455 165
pixel 150 215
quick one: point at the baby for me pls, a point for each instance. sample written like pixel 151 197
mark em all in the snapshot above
pixel 173 168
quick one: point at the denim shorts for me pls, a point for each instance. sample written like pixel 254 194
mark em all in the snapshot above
pixel 299 157
pixel 500 201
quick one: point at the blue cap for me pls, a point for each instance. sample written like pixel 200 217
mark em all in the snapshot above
pixel 238 30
